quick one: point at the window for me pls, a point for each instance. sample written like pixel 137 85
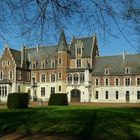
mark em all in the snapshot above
pixel 106 82
pixel 96 95
pixel 59 75
pixel 82 78
pixel 43 65
pixel 59 88
pixel 138 81
pixel 33 65
pixel 75 78
pixel 127 81
pixel 52 77
pixel 52 90
pixel 10 75
pixel 8 62
pixel 0 90
pixel 117 95
pixel 43 78
pixel 19 75
pixel 78 63
pixel 3 91
pixel 117 82
pixel 42 91
pixel 128 70
pixel 96 82
pixel 107 71
pixel 28 76
pixel 19 88
pixel 52 64
pixel 69 78
pixel 138 95
pixel 60 61
pixel 1 75
pixel 78 50
pixel 106 94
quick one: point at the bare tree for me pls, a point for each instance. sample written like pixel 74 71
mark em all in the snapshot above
pixel 37 18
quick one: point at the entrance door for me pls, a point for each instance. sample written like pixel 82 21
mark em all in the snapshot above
pixel 75 95
pixel 127 96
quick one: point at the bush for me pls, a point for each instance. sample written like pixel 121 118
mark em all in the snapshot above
pixel 18 100
pixel 58 99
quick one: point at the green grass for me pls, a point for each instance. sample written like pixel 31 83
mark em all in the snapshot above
pixel 86 122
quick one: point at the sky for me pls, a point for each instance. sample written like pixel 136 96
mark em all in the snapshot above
pixel 108 45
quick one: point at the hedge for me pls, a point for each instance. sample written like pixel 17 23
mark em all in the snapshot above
pixel 18 100
pixel 58 99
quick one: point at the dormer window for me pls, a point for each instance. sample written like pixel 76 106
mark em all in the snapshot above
pixel 128 70
pixel 78 50
pixel 43 65
pixel 53 64
pixel 8 62
pixel 107 71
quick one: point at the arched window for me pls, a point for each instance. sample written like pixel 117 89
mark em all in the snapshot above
pixel 107 71
pixel 138 95
pixel 117 95
pixel 82 78
pixel 106 95
pixel 53 64
pixel 10 75
pixel 75 78
pixel 69 78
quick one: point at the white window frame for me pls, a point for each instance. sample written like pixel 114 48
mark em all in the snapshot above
pixel 105 82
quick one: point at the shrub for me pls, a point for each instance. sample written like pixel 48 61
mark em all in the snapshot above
pixel 58 99
pixel 18 100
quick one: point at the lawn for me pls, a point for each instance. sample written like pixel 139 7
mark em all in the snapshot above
pixel 96 123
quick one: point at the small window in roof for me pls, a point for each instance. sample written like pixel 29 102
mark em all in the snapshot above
pixel 128 70
pixel 107 71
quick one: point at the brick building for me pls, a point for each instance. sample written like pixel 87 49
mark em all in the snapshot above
pixel 75 69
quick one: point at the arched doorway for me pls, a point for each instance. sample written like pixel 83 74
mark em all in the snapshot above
pixel 127 96
pixel 75 95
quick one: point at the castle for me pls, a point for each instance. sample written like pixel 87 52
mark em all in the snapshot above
pixel 75 69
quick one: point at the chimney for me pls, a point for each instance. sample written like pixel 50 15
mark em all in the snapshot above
pixel 37 47
pixel 124 55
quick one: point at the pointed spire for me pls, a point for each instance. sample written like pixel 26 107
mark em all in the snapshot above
pixel 62 44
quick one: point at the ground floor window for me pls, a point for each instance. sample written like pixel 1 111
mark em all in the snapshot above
pixel 106 95
pixel 96 95
pixel 52 90
pixel 117 95
pixel 42 91
pixel 59 88
pixel 3 91
pixel 138 95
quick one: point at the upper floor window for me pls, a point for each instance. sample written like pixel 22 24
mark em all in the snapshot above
pixel 78 50
pixel 10 74
pixel 28 76
pixel 116 82
pixel 79 63
pixel 53 64
pixel 107 71
pixel 82 77
pixel 128 70
pixel 127 81
pixel 52 77
pixel 106 82
pixel 52 90
pixel 1 75
pixel 60 61
pixel 19 75
pixel 75 78
pixel 3 62
pixel 43 78
pixel 106 94
pixel 8 62
pixel 59 75
pixel 138 81
pixel 117 95
pixel 43 65
pixel 69 78
pixel 42 91
pixel 97 82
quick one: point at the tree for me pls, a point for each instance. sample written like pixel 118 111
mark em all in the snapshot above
pixel 36 18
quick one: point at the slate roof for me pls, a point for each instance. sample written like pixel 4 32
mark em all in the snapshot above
pixel 117 64
pixel 87 47
pixel 17 56
pixel 5 81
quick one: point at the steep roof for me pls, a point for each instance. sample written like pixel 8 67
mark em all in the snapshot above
pixel 117 64
pixel 87 47
pixel 62 44
pixel 17 56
